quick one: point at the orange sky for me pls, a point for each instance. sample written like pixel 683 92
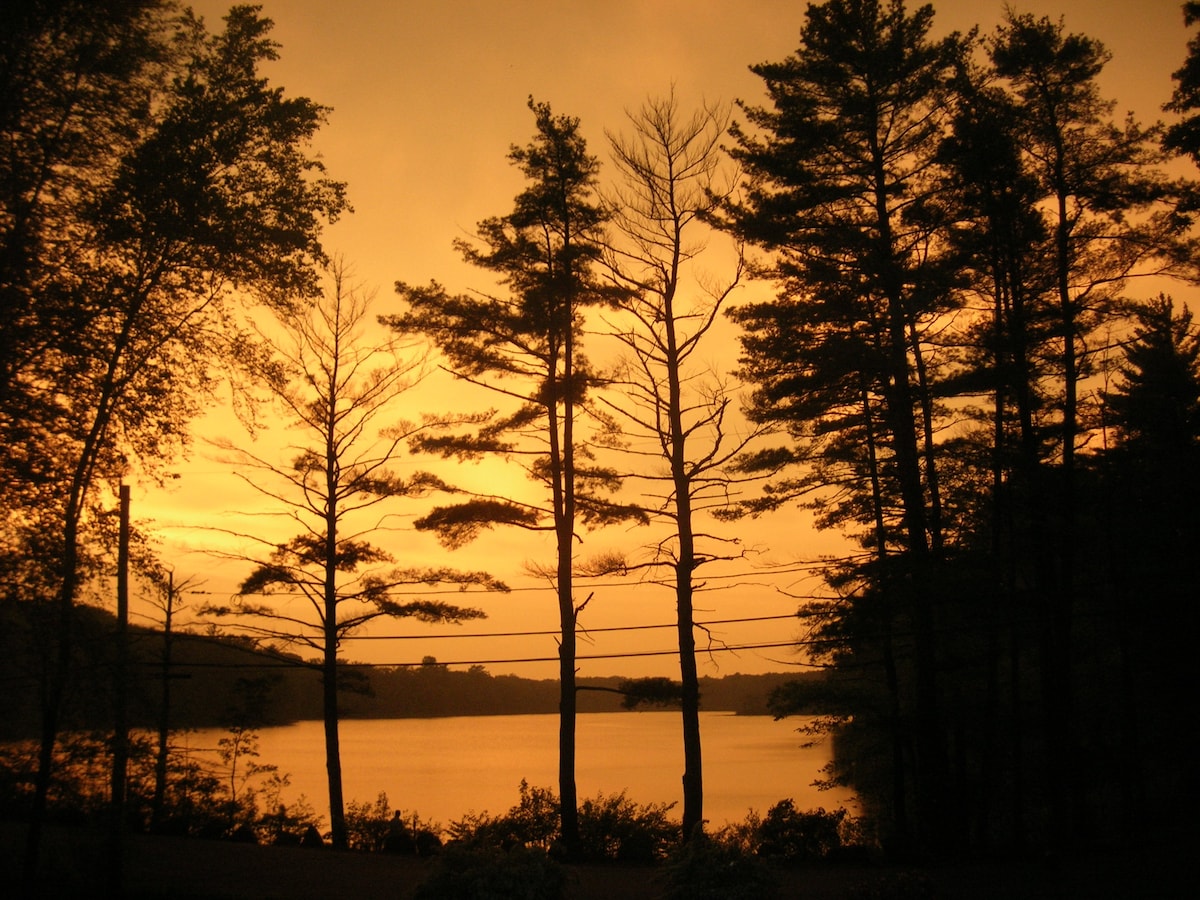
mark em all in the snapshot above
pixel 427 97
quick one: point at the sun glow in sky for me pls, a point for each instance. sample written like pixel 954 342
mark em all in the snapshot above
pixel 427 98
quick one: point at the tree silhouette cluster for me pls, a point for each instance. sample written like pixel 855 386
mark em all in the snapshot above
pixel 150 174
pixel 958 229
pixel 959 368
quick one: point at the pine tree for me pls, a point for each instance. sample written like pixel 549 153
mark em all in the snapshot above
pixel 842 169
pixel 526 346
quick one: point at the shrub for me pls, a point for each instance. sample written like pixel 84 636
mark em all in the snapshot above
pixel 479 829
pixel 195 801
pixel 707 868
pixel 610 828
pixel 743 835
pixel 492 873
pixel 789 834
pixel 534 820
pixel 288 823
pixel 367 823
pixel 616 828
pixel 532 823
pixel 197 795
pixel 376 827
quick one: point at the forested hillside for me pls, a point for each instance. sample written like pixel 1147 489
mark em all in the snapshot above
pixel 214 680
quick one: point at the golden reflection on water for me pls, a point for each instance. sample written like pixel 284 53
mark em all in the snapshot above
pixel 445 768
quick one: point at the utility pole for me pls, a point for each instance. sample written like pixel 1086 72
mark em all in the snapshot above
pixel 120 743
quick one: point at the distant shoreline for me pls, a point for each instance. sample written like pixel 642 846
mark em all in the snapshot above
pixel 212 680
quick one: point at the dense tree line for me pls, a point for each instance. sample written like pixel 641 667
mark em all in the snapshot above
pixel 968 364
pixel 959 229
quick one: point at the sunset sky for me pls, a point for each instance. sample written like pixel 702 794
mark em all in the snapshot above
pixel 427 98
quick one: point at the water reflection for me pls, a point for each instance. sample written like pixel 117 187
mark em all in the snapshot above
pixel 444 768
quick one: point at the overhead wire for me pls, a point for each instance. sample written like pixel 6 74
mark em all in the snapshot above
pixel 791 568
pixel 287 663
pixel 554 632
pixel 279 661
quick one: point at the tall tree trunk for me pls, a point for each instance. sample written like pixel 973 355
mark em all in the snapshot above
pixel 333 750
pixel 567 713
pixel 693 769
pixel 1024 491
pixel 82 477
pixel 1058 596
pixel 120 741
pixel 685 567
pixel 918 589
pixel 562 462
pixel 902 838
pixel 921 584
pixel 53 693
pixel 567 701
pixel 58 672
pixel 929 444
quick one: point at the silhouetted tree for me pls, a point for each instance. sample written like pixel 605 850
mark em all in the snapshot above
pixel 148 170
pixel 169 603
pixel 339 389
pixel 840 169
pixel 1110 215
pixel 526 347
pixel 671 179
pixel 1149 502
pixel 1184 136
pixel 1004 245
pixel 1155 404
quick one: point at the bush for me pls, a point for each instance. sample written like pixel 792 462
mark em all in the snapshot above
pixel 491 873
pixel 743 835
pixel 789 834
pixel 367 824
pixel 532 823
pixel 707 868
pixel 376 827
pixel 616 828
pixel 289 822
pixel 610 828
pixel 197 795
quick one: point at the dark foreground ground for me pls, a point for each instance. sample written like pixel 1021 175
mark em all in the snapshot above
pixel 160 867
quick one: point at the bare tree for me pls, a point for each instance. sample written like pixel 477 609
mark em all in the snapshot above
pixel 672 404
pixel 336 387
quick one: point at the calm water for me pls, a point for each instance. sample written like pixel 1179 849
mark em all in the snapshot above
pixel 443 768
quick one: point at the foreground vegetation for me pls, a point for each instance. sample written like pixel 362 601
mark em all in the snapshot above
pixel 238 799
pixel 784 855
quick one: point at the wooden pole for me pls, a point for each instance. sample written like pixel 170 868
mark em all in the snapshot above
pixel 120 747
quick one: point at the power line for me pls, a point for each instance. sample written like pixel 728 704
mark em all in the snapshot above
pixel 633 654
pixel 790 568
pixel 507 634
pixel 581 631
